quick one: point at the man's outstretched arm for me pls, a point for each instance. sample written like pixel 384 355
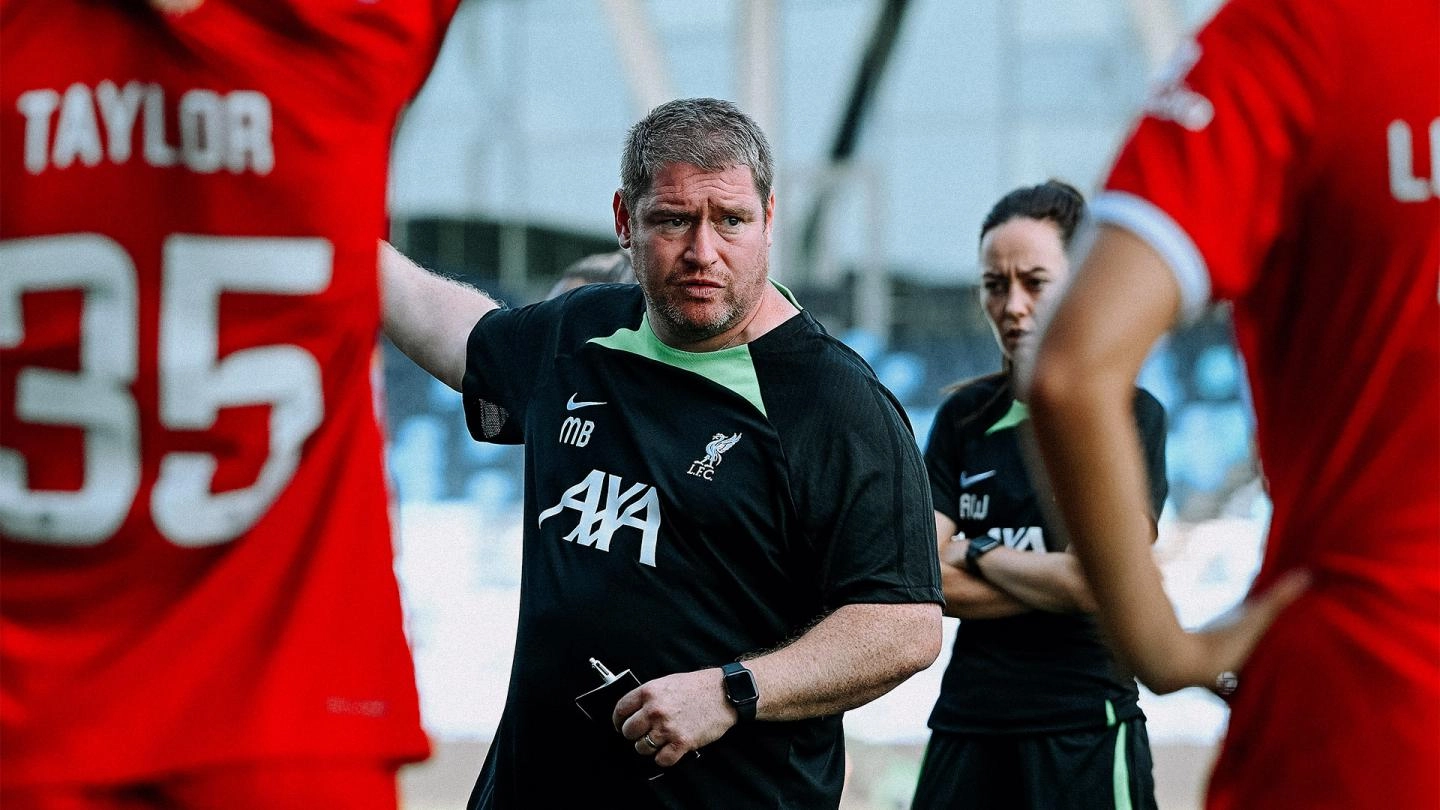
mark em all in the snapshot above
pixel 1122 300
pixel 429 317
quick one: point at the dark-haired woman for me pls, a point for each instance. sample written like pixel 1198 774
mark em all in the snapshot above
pixel 1034 712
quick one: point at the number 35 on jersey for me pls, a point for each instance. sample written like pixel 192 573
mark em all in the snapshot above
pixel 194 383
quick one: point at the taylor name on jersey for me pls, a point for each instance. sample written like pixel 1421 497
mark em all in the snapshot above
pixel 216 131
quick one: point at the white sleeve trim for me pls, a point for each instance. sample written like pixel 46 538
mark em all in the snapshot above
pixel 1147 221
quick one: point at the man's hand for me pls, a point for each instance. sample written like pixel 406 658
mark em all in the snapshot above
pixel 669 717
pixel 855 654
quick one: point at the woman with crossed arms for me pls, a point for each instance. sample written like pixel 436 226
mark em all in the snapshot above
pixel 1034 711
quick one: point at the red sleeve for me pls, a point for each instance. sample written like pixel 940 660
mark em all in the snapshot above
pixel 1212 164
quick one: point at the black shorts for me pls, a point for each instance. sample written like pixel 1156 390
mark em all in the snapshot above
pixel 1104 769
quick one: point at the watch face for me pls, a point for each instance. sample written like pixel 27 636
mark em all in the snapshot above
pixel 985 542
pixel 740 686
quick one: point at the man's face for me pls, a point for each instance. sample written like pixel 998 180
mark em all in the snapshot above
pixel 700 242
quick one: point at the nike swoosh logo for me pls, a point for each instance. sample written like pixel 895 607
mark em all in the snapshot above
pixel 572 405
pixel 966 481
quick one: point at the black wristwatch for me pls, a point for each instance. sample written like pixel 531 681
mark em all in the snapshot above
pixel 740 690
pixel 979 546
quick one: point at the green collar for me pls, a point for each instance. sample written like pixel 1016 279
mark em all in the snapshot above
pixel 1018 413
pixel 730 368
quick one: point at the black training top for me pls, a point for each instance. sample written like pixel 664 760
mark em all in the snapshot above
pixel 1037 671
pixel 681 510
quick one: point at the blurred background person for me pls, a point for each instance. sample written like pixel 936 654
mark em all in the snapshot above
pixel 198 606
pixel 597 268
pixel 1033 711
pixel 1290 167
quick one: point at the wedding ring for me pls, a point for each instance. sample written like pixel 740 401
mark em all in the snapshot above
pixel 650 742
pixel 1226 683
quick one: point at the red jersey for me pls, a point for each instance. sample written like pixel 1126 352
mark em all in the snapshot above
pixel 1290 166
pixel 197 564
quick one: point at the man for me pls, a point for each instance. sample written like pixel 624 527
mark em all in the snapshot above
pixel 1285 169
pixel 197 599
pixel 720 498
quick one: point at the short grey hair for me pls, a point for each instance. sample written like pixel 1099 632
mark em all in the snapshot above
pixel 706 132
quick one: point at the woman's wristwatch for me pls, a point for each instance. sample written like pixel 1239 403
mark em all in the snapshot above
pixel 979 546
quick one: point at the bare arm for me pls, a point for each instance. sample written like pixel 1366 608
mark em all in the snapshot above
pixel 853 656
pixel 967 597
pixel 429 317
pixel 1050 581
pixel 849 658
pixel 1079 396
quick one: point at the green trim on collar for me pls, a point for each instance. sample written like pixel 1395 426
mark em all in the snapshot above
pixel 730 368
pixel 785 291
pixel 1018 413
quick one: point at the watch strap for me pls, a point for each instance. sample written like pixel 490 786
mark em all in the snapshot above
pixel 741 690
pixel 978 548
